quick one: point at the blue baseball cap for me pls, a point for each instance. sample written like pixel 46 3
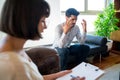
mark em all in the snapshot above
pixel 71 11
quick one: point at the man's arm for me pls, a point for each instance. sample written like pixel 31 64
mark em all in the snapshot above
pixel 60 37
pixel 81 37
pixel 67 26
pixel 84 26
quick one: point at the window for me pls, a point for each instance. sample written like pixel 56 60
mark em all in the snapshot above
pixel 95 6
pixel 78 4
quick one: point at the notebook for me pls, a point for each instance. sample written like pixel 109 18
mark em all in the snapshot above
pixel 87 70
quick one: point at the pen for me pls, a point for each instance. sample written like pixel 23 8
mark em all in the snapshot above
pixel 119 75
pixel 72 76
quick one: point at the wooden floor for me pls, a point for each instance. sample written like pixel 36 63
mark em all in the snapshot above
pixel 106 62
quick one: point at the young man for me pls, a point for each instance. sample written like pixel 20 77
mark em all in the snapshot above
pixel 65 33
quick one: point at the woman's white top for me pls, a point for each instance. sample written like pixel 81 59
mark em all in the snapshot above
pixel 10 69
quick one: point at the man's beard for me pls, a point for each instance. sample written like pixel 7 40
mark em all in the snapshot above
pixel 73 24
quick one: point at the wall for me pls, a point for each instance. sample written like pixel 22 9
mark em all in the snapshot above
pixel 1 4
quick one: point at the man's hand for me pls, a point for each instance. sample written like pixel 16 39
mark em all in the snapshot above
pixel 84 25
pixel 68 25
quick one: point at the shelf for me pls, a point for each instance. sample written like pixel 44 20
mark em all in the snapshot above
pixel 117 11
pixel 115 47
pixel 115 51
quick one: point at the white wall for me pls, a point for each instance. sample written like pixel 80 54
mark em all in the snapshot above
pixel 1 4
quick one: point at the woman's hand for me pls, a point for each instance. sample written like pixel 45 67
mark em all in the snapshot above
pixel 62 73
pixel 56 75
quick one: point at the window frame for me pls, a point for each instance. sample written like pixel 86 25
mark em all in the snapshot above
pixel 90 12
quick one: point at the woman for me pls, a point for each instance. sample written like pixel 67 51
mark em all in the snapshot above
pixel 22 20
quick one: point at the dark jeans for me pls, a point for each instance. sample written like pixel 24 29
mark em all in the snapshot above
pixel 79 51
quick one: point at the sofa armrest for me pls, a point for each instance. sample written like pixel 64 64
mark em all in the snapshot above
pixel 46 59
pixel 98 40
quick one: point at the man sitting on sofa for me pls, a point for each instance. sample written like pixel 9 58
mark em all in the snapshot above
pixel 65 33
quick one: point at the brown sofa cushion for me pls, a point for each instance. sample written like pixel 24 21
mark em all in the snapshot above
pixel 46 59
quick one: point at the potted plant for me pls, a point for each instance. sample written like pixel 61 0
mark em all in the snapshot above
pixel 106 22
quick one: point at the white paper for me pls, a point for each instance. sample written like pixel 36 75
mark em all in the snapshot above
pixel 89 71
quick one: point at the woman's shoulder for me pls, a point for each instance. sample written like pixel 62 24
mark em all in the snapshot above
pixel 5 62
pixel 6 67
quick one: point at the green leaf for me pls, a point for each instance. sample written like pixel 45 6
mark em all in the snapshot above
pixel 106 22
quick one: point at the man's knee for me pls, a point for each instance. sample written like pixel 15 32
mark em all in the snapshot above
pixel 85 47
pixel 62 51
pixel 85 50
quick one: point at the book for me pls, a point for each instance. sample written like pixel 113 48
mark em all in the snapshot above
pixel 87 70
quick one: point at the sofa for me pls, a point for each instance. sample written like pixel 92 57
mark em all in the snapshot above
pixel 46 59
pixel 98 47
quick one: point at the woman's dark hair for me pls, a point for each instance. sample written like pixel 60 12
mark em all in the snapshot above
pixel 20 18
